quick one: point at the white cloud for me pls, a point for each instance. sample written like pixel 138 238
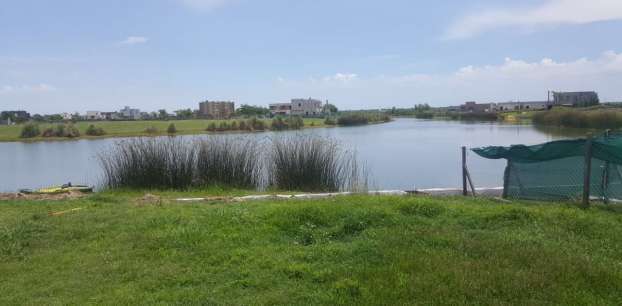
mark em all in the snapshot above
pixel 134 40
pixel 510 80
pixel 551 12
pixel 341 77
pixel 6 89
pixel 205 5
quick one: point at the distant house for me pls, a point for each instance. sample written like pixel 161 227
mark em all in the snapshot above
pixel 473 107
pixel 94 115
pixel 67 116
pixel 111 116
pixel 15 116
pixel 520 106
pixel 577 98
pixel 282 109
pixel 306 107
pixel 130 113
pixel 216 109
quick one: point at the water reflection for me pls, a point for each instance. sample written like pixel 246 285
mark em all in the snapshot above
pixel 403 154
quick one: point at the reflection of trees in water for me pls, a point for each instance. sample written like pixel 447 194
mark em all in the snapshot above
pixel 558 131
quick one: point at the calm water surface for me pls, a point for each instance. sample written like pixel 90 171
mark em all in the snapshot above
pixel 403 154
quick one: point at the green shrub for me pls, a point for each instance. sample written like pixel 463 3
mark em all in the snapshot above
pixel 171 129
pixel 330 121
pixel 30 130
pixel 152 130
pixel 211 127
pixel 295 122
pixel 95 131
pixel 224 126
pixel 62 130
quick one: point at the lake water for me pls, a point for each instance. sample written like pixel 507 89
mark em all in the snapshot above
pixel 403 154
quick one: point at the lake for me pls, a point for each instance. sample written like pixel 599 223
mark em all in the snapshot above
pixel 403 154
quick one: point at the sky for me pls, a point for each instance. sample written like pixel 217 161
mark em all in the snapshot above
pixel 78 55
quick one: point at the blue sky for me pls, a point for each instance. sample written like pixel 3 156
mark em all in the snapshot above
pixel 78 55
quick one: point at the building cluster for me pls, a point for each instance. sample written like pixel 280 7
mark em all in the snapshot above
pixel 570 99
pixel 298 107
pixel 126 113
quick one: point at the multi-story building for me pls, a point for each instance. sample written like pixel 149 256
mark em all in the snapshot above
pixel 306 107
pixel 578 98
pixel 216 109
pixel 130 113
pixel 282 109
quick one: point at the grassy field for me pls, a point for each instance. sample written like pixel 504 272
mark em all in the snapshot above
pixel 358 250
pixel 135 128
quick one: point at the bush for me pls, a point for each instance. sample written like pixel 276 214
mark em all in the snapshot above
pixel 62 130
pixel 278 124
pixel 295 122
pixel 95 131
pixel 152 130
pixel 233 126
pixel 224 126
pixel 312 163
pixel 211 127
pixel 256 124
pixel 330 121
pixel 30 130
pixel 171 129
pixel 243 126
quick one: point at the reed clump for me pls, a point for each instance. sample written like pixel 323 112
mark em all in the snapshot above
pixel 362 118
pixel 228 162
pixel 298 163
pixel 149 163
pixel 311 163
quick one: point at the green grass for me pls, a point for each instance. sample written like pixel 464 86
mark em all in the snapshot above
pixel 134 128
pixel 589 118
pixel 357 250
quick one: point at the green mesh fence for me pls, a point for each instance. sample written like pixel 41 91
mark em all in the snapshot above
pixel 556 170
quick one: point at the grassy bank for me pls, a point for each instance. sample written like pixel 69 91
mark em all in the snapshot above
pixel 137 128
pixel 356 250
pixel 594 118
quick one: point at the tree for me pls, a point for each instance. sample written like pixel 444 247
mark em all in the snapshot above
pixel 330 109
pixel 251 110
pixel 184 113
pixel 162 114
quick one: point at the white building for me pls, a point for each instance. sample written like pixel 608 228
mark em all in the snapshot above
pixel 518 106
pixel 94 115
pixel 130 113
pixel 306 107
pixel 67 116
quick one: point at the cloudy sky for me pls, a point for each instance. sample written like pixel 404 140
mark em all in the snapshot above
pixel 78 55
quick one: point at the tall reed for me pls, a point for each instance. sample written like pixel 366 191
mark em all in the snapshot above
pixel 311 163
pixel 229 162
pixel 149 163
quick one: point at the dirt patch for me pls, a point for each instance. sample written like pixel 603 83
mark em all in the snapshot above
pixel 41 197
pixel 149 199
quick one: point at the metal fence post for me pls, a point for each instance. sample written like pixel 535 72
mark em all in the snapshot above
pixel 587 173
pixel 465 191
